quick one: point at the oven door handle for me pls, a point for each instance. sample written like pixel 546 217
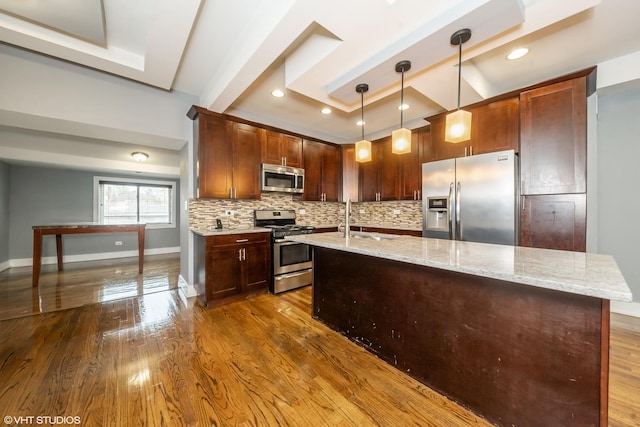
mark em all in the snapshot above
pixel 284 242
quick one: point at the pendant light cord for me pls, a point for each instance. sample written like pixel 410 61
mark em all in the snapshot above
pixel 402 99
pixel 362 112
pixel 459 67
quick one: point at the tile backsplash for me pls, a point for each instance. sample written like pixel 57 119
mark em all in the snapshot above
pixel 399 214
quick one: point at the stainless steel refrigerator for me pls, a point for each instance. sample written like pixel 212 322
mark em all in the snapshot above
pixel 472 198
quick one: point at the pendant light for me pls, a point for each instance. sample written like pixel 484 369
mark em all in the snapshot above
pixel 458 123
pixel 401 138
pixel 363 147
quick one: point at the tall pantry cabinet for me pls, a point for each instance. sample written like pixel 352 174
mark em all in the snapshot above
pixel 553 158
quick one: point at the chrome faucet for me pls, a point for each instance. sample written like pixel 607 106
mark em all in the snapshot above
pixel 347 214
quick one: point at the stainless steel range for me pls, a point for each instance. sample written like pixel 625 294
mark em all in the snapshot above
pixel 292 261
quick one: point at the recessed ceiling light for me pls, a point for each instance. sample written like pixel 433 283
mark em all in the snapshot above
pixel 361 122
pixel 139 156
pixel 326 110
pixel 403 107
pixel 278 93
pixel 517 53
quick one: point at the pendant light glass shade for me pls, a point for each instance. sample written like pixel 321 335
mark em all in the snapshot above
pixel 401 141
pixel 363 147
pixel 363 151
pixel 458 123
pixel 401 138
pixel 458 126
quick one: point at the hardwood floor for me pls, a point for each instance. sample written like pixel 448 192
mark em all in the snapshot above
pixel 83 283
pixel 154 359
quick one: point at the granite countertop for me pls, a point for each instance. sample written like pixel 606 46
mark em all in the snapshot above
pixel 574 272
pixel 218 232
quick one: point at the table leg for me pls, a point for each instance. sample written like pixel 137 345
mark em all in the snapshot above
pixel 140 248
pixel 59 250
pixel 37 256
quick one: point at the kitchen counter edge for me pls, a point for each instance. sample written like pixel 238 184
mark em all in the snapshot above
pixel 580 273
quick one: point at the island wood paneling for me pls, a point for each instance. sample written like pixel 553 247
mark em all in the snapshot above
pixel 518 355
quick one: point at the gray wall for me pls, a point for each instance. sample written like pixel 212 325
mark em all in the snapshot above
pixel 48 195
pixel 618 181
pixel 4 212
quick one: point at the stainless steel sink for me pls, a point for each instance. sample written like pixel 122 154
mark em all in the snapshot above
pixel 372 236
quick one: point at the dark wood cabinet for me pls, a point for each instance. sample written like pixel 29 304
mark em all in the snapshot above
pixel 323 171
pixel 494 127
pixel 228 157
pixel 439 148
pixel 349 173
pixel 411 164
pixel 247 142
pixel 215 156
pixel 281 149
pixel 553 141
pixel 390 176
pixel 232 264
pixel 554 222
pixel 379 179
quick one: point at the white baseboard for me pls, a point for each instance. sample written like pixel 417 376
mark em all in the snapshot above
pixel 4 265
pixel 628 308
pixel 28 262
pixel 186 290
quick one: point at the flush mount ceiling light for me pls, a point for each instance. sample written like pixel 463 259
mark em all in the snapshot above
pixel 139 156
pixel 326 110
pixel 458 123
pixel 517 53
pixel 363 147
pixel 278 93
pixel 401 138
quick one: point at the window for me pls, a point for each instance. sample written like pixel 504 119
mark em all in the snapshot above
pixel 127 201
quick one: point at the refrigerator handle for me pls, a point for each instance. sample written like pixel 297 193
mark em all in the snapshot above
pixel 458 230
pixel 451 211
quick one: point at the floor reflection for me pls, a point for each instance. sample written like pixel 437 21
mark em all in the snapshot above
pixel 83 283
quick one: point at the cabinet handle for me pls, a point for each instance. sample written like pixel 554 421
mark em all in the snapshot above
pixel 465 151
pixel 231 193
pixel 471 150
pixel 414 194
pixel 244 254
pixel 239 254
pixel 242 240
pixel 418 194
pixel 524 201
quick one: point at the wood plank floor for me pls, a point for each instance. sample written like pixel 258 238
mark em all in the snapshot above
pixel 83 283
pixel 153 359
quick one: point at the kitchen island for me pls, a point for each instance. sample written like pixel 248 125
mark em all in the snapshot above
pixel 518 335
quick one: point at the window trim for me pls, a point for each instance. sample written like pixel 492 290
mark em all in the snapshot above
pixel 136 181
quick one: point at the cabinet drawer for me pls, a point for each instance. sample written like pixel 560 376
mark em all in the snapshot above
pixel 233 239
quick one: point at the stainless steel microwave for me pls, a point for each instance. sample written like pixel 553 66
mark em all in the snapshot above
pixel 282 179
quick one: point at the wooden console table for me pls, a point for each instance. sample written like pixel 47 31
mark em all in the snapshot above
pixel 80 228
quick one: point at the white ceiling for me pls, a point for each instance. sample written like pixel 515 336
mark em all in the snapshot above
pixel 231 54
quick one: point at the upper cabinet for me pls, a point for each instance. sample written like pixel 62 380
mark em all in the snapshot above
pixel 322 171
pixel 494 127
pixel 229 157
pixel 379 179
pixel 553 138
pixel 411 164
pixel 282 149
pixel 390 176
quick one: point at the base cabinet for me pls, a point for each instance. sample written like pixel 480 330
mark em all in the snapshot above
pixel 555 221
pixel 232 264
